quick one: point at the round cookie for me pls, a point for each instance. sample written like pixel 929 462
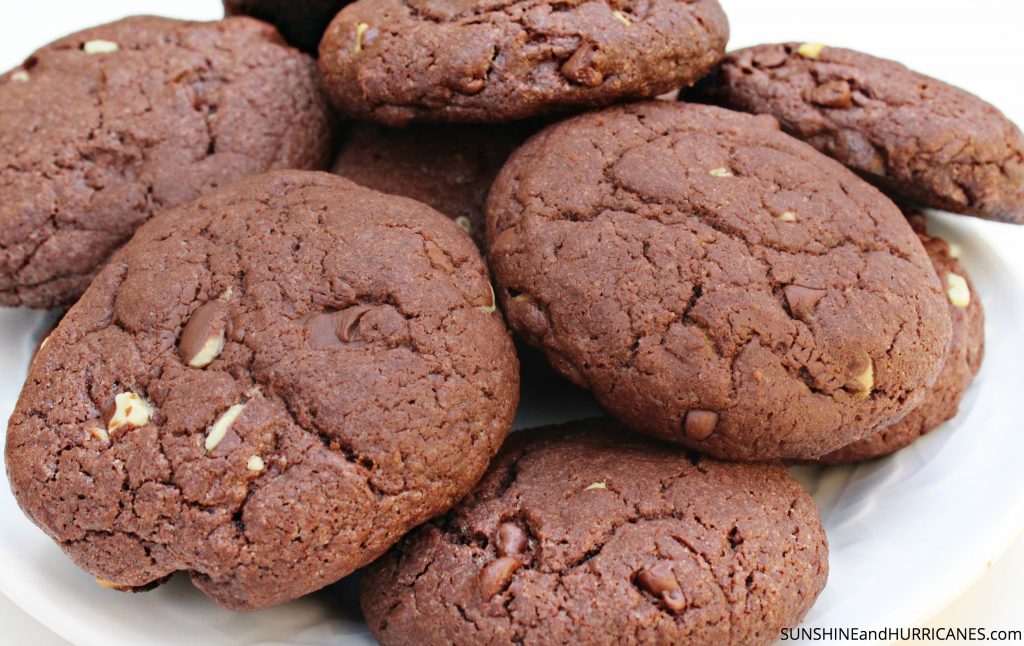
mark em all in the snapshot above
pixel 395 61
pixel 301 22
pixel 715 282
pixel 266 388
pixel 965 354
pixel 109 126
pixel 915 136
pixel 579 536
pixel 448 167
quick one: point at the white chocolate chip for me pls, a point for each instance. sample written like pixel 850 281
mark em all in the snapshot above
pixel 210 351
pixel 360 30
pixel 110 585
pixel 46 339
pixel 130 411
pixel 255 463
pixel 866 379
pixel 621 17
pixel 957 290
pixel 464 222
pixel 954 250
pixel 596 485
pixel 720 172
pixel 787 216
pixel 488 309
pixel 20 76
pixel 100 433
pixel 810 50
pixel 100 47
pixel 221 426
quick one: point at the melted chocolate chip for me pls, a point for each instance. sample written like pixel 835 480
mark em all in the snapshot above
pixel 335 328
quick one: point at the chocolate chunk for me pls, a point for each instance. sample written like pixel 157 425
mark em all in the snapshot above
pixel 834 94
pixel 700 424
pixel 660 581
pixel 582 67
pixel 802 300
pixel 334 328
pixel 511 540
pixel 496 575
pixel 202 339
pixel 348 322
pixel 658 578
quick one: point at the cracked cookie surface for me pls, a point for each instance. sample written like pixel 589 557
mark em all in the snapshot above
pixel 301 22
pixel 104 128
pixel 714 281
pixel 396 61
pixel 966 351
pixel 266 388
pixel 915 136
pixel 447 167
pixel 579 535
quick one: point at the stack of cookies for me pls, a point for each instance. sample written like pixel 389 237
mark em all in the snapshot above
pixel 271 376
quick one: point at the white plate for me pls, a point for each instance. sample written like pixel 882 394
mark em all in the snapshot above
pixel 907 533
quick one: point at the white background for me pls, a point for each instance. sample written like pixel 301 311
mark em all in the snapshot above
pixel 977 45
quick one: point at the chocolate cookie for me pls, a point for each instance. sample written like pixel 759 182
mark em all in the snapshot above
pixel 301 22
pixel 266 388
pixel 915 136
pixel 965 353
pixel 396 61
pixel 107 127
pixel 577 536
pixel 715 282
pixel 448 167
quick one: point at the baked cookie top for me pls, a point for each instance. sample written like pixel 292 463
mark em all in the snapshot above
pixel 396 61
pixel 916 136
pixel 585 534
pixel 448 167
pixel 301 22
pixel 963 362
pixel 106 127
pixel 266 388
pixel 714 281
